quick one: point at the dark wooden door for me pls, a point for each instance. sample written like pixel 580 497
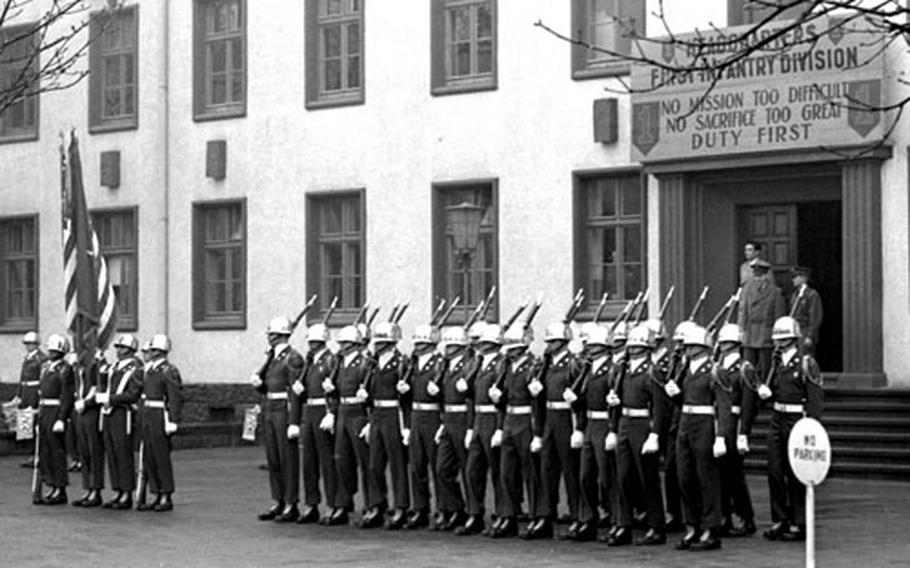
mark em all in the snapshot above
pixel 774 227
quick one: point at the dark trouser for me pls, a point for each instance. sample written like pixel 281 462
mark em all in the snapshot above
pixel 117 433
pixel 597 473
pixel 351 453
pixel 422 453
pixel 736 498
pixel 638 474
pixel 788 495
pixel 156 452
pixel 451 457
pixel 699 474
pixel 671 479
pixel 72 445
pixel 281 454
pixel 52 452
pixel 318 458
pixel 760 357
pixel 481 458
pixel 90 448
pixel 558 459
pixel 386 449
pixel 517 465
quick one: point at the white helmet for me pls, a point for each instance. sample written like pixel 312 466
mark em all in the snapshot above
pixel 57 342
pixel 657 327
pixel 31 337
pixel 641 336
pixel 160 342
pixel 386 332
pixel 127 340
pixel 492 333
pixel 454 335
pixel 349 334
pixel 730 332
pixel 475 332
pixel 598 335
pixel 621 333
pixel 280 325
pixel 517 336
pixel 786 328
pixel 146 346
pixel 697 335
pixel 557 331
pixel 425 333
pixel 317 332
pixel 364 331
pixel 682 328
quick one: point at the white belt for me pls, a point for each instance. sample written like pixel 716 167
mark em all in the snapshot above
pixel 558 405
pixel 31 383
pixel 701 409
pixel 350 400
pixel 385 403
pixel 737 410
pixel 518 410
pixel 49 402
pixel 454 408
pixel 315 402
pixel 598 414
pixel 277 396
pixel 636 412
pixel 485 409
pixel 788 408
pixel 426 406
pixel 153 403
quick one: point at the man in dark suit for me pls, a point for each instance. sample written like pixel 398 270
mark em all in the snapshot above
pixel 808 312
pixel 760 306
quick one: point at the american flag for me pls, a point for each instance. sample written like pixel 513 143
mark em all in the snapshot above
pixel 91 306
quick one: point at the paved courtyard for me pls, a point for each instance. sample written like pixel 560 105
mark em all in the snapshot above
pixel 861 523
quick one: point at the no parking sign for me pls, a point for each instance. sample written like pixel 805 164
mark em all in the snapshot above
pixel 809 452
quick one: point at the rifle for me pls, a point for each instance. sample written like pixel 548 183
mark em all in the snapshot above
pixel 481 309
pixel 666 304
pixel 394 311
pixel 698 304
pixel 303 312
pixel 721 315
pixel 401 311
pixel 37 489
pixel 732 314
pixel 361 315
pixel 600 307
pixel 140 476
pixel 448 313
pixel 328 314
pixel 626 312
pixel 532 313
pixel 438 311
pixel 577 301
pixel 488 303
pixel 642 305
pixel 798 301
pixel 373 315
pixel 515 315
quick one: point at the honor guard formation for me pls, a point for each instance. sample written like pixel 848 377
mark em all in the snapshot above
pixel 596 418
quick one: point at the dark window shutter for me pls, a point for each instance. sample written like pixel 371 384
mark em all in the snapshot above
pixel 437 43
pixel 735 12
pixel 579 31
pixel 94 75
pixel 198 57
pixel 198 283
pixel 311 50
pixel 312 253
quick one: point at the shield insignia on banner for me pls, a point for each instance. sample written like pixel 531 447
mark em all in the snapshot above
pixel 667 51
pixel 836 30
pixel 645 126
pixel 861 94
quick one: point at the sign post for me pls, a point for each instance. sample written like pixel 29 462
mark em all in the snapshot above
pixel 809 452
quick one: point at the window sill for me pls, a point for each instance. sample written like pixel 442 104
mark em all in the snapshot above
pixel 19 326
pixel 106 126
pixel 220 114
pixel 615 69
pixel 340 318
pixel 611 311
pixel 17 138
pixel 224 323
pixel 124 324
pixel 334 101
pixel 464 86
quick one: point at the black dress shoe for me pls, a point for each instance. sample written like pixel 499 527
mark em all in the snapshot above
pixel 747 528
pixel 586 532
pixel 372 519
pixel 418 520
pixel 439 520
pixel 56 498
pixel 93 501
pixel 123 504
pixel 76 466
pixel 621 537
pixel 474 525
pixel 309 515
pixel 572 532
pixel 165 503
pixel 507 528
pixel 651 538
pixel 80 502
pixel 710 540
pixel 290 514
pixel 795 534
pixel 272 512
pixel 496 521
pixel 397 521
pixel 539 530
pixel 145 507
pixel 454 521
pixel 776 531
pixel 686 542
pixel 338 518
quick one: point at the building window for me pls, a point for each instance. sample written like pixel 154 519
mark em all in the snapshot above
pixel 752 12
pixel 335 251
pixel 334 52
pixel 19 84
pixel 469 279
pixel 219 265
pixel 610 25
pixel 463 45
pixel 117 238
pixel 113 60
pixel 219 73
pixel 19 273
pixel 610 237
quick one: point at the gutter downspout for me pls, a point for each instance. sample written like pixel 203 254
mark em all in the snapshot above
pixel 164 92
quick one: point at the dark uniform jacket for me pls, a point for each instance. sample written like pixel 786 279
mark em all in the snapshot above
pixel 162 382
pixel 761 304
pixel 809 313
pixel 124 382
pixel 639 388
pixel 799 381
pixel 28 378
pixel 742 380
pixel 57 384
pixel 514 378
pixel 284 367
pixel 317 367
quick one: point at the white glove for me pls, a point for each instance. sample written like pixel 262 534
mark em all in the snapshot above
pixel 764 392
pixel 362 394
pixel 569 395
pixel 432 388
pixel 71 359
pixel 651 445
pixel 612 398
pixel 293 431
pixel 496 439
pixel 610 442
pixel 80 406
pixel 495 394
pixel 59 426
pixel 577 439
pixel 402 387
pixel 461 385
pixel 437 437
pixel 365 433
pixel 720 447
pixel 405 436
pixel 536 444
pixel 15 401
pixel 256 380
pixel 103 398
pixel 742 444
pixel 327 385
pixel 170 428
pixel 468 438
pixel 535 387
pixel 327 424
pixel 297 387
pixel 672 389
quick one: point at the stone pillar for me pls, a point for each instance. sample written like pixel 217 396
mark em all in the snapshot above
pixel 673 254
